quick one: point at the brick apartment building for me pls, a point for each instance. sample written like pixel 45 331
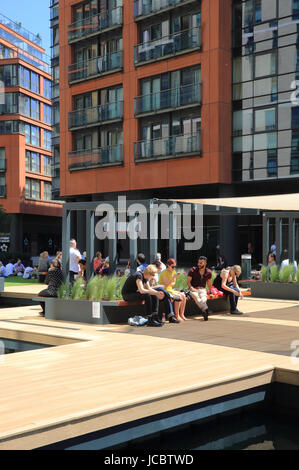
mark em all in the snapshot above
pixel 34 221
pixel 179 98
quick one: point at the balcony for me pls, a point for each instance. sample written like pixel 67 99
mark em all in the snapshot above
pixel 181 97
pixel 86 70
pixel 97 115
pixel 93 158
pixel 147 8
pixel 95 24
pixel 168 147
pixel 167 46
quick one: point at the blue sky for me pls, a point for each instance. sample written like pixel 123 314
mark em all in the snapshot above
pixel 33 14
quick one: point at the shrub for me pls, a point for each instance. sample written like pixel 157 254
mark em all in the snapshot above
pixel 77 290
pixel 111 288
pixel 63 291
pixel 286 273
pixel 181 283
pixel 264 273
pixel 274 273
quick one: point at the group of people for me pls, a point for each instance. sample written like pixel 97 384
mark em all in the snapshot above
pixel 285 260
pixel 156 282
pixel 12 269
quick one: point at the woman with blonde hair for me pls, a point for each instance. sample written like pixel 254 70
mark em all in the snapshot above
pixel 168 279
pixel 227 282
pixel 137 288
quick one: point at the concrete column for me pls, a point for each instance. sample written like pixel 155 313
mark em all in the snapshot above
pixel 16 232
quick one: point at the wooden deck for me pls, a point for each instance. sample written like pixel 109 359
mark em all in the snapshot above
pixel 101 376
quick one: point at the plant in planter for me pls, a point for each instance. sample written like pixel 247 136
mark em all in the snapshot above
pixel 264 273
pixel 274 273
pixel 63 291
pixel 77 290
pixel 286 274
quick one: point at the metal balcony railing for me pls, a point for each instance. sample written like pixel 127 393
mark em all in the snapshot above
pixel 87 69
pixel 167 99
pixel 172 146
pixel 95 24
pixel 95 157
pixel 98 114
pixel 146 7
pixel 171 44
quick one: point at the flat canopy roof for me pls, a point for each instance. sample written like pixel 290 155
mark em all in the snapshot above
pixel 277 202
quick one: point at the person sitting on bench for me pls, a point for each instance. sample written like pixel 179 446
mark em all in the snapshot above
pixel 137 288
pixel 54 279
pixel 227 282
pixel 198 277
pixel 168 279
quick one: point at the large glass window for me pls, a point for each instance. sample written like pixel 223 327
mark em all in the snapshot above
pixel 47 88
pixel 47 139
pixel 2 158
pixel 47 165
pixel 47 114
pixel 32 162
pixel 47 191
pixel 32 188
pixel 265 64
pixel 265 119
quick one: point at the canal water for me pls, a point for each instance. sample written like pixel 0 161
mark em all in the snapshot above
pixel 255 429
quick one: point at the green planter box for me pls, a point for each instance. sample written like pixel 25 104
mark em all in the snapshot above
pixel 275 290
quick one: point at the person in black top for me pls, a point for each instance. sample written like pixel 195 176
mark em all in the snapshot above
pixel 54 279
pixel 137 288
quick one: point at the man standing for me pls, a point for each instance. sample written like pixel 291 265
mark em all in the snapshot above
pixel 75 257
pixel 197 279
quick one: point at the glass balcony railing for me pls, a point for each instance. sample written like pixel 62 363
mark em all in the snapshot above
pixel 94 24
pixel 88 69
pixel 176 145
pixel 146 7
pixel 168 45
pixel 18 28
pixel 95 157
pixel 166 99
pixel 99 114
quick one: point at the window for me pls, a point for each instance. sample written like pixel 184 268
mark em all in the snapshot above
pixel 2 159
pixel 47 139
pixel 265 120
pixel 47 88
pixel 34 109
pixel 32 162
pixel 9 75
pixel 47 165
pixel 2 186
pixel 32 135
pixel 272 163
pixel 47 191
pixel 34 82
pixel 47 114
pixel 265 64
pixel 32 189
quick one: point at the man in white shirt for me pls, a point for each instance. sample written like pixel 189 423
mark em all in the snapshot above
pixel 158 258
pixel 10 270
pixel 75 257
pixel 28 272
pixel 286 261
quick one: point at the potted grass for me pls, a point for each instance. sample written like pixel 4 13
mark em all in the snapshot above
pixel 96 303
pixel 279 284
